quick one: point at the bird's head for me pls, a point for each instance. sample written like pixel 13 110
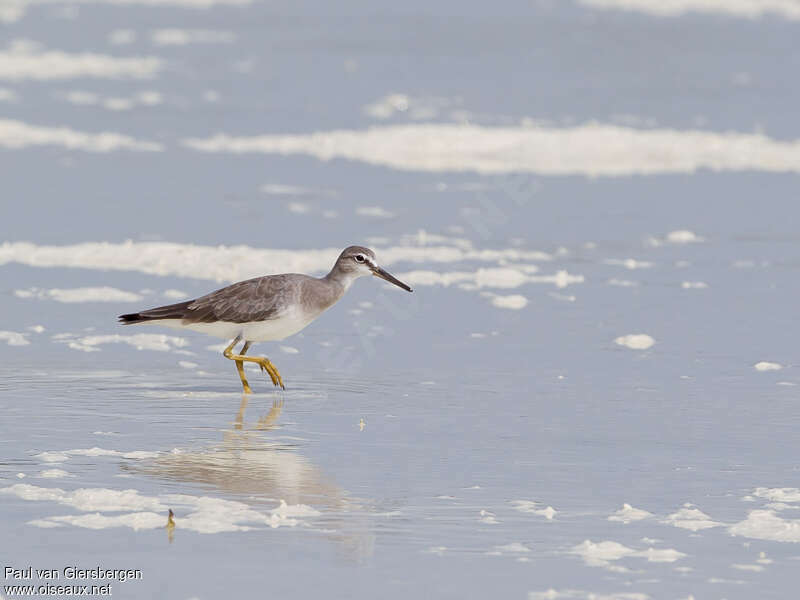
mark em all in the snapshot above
pixel 357 261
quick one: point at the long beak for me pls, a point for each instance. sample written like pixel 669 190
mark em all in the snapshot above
pixel 379 272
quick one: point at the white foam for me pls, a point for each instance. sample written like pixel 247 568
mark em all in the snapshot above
pixel 387 106
pixel 629 263
pixel 42 524
pixel 37 328
pixel 778 494
pixel 54 474
pixel 143 98
pixel 767 525
pixel 137 454
pixel 767 366
pixel 137 521
pixel 121 37
pixel 119 104
pixel 488 517
pixel 16 134
pixel 186 364
pixel 592 149
pixel 513 548
pixel 500 277
pixel 667 555
pixel 683 236
pixel 214 515
pixel 513 302
pixel 85 294
pixel 497 277
pixel 184 37
pixel 603 554
pixel 13 10
pixel 635 341
pixel 233 263
pixel 628 514
pixel 694 285
pixel 14 338
pixel 141 341
pixel 531 507
pixel 52 457
pixel 289 350
pixel 65 454
pixel 553 594
pixel 754 568
pixel 298 208
pixel 548 512
pixel 560 279
pixel 24 60
pixel 202 514
pixel 563 297
pixel 86 499
pixel 726 581
pixel 780 506
pixel 748 9
pixel 294 510
pixel 81 98
pixel 691 518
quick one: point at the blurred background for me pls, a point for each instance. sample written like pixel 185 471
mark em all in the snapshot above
pixel 590 393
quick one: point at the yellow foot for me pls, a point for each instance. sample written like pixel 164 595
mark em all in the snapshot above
pixel 261 361
pixel 272 371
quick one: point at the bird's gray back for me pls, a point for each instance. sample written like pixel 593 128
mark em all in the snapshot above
pixel 263 299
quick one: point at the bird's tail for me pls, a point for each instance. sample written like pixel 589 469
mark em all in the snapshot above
pixel 171 311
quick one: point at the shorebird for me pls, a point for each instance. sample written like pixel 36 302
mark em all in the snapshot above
pixel 266 308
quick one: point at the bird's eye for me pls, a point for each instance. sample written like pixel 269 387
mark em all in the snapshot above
pixel 359 258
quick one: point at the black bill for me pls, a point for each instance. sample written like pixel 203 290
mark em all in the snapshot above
pixel 378 272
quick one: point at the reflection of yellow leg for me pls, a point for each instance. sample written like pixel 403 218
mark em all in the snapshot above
pixel 261 361
pixel 264 423
pixel 239 421
pixel 170 526
pixel 268 421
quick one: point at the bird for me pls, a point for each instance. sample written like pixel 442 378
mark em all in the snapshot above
pixel 268 308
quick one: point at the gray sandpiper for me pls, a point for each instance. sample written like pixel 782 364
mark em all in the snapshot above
pixel 266 308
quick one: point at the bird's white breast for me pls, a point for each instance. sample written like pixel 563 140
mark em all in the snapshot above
pixel 288 323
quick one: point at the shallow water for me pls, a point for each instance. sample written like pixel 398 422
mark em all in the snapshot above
pixel 591 392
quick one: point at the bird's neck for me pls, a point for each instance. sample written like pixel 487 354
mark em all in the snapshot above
pixel 340 279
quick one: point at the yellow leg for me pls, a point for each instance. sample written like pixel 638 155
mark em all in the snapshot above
pixel 261 361
pixel 240 368
pixel 239 364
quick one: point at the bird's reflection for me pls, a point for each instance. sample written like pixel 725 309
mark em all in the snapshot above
pixel 250 467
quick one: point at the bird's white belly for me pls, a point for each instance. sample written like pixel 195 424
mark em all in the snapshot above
pixel 279 328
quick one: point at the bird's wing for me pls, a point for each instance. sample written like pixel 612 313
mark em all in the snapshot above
pixel 259 299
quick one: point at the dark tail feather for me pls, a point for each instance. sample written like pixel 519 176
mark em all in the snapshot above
pixel 171 311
